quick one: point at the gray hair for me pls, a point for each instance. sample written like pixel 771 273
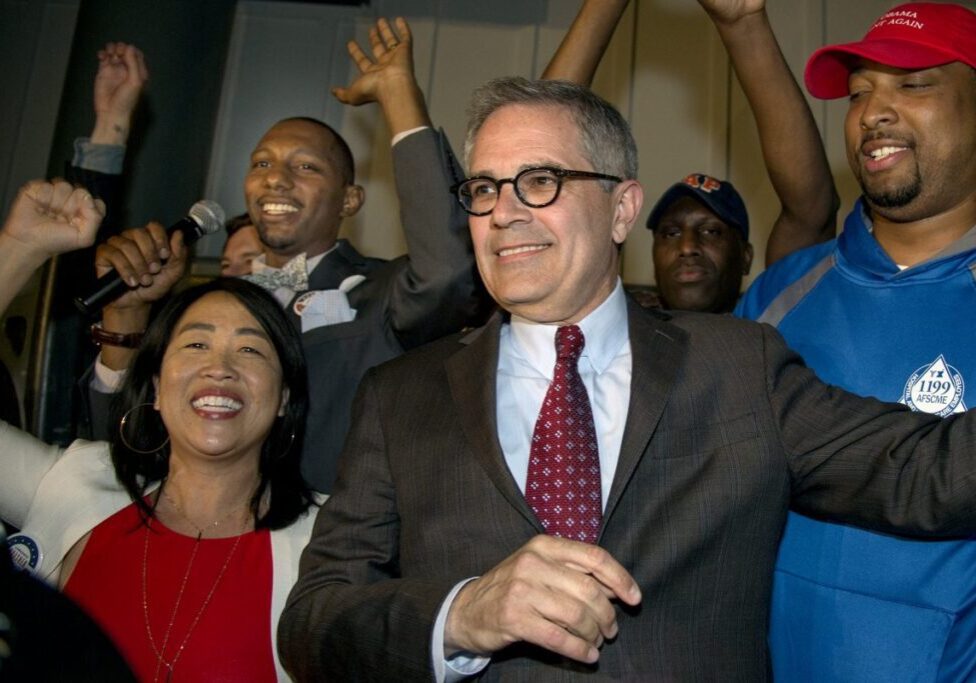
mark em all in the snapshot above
pixel 607 142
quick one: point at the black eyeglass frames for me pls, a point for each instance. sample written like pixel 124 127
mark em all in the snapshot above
pixel 535 187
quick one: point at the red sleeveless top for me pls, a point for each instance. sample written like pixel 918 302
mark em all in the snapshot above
pixel 231 640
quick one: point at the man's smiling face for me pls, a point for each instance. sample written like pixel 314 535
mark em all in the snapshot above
pixel 557 263
pixel 911 138
pixel 297 193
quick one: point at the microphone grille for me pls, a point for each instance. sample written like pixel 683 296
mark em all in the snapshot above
pixel 209 215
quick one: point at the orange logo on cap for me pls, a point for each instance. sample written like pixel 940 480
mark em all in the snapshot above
pixel 704 183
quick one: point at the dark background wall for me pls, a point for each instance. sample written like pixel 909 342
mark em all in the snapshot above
pixel 172 135
pixel 167 160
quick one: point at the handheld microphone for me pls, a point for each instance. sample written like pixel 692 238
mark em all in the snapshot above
pixel 204 218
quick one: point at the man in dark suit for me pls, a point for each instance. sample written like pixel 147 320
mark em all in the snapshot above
pixel 451 545
pixel 354 311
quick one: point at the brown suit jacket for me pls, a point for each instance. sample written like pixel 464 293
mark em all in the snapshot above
pixel 726 428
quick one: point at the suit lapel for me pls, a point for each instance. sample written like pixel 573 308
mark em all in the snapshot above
pixel 471 374
pixel 335 267
pixel 658 350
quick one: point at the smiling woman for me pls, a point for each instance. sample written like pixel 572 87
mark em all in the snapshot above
pixel 214 408
pixel 180 538
pixel 220 374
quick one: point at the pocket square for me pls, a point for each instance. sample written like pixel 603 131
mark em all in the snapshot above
pixel 324 307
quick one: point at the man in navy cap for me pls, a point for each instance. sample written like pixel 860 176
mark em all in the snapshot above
pixel 701 245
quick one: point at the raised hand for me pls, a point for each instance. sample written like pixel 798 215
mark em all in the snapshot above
pixel 46 218
pixel 392 58
pixel 729 11
pixel 147 259
pixel 49 218
pixel 552 592
pixel 121 76
pixel 386 76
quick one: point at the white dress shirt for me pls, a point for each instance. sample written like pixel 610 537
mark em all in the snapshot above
pixel 526 360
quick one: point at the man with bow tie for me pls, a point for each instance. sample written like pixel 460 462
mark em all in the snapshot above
pixel 354 311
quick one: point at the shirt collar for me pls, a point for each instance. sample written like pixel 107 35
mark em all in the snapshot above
pixel 605 330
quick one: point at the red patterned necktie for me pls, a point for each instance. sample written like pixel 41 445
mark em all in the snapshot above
pixel 563 483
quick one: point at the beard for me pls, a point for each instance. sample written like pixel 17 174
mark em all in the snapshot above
pixel 894 197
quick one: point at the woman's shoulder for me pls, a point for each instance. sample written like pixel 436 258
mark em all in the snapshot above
pixel 300 530
pixel 288 542
pixel 93 459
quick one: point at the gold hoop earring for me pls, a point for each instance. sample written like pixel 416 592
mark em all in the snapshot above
pixel 125 441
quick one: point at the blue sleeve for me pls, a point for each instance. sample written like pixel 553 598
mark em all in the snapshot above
pixel 778 277
pixel 98 157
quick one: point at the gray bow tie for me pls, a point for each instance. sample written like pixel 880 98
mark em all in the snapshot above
pixel 293 276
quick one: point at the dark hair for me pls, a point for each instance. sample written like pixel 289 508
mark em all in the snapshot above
pixel 236 223
pixel 343 157
pixel 279 464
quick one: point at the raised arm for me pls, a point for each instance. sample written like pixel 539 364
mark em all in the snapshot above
pixel 121 76
pixel 47 218
pixel 387 77
pixel 791 145
pixel 434 290
pixel 98 160
pixel 581 50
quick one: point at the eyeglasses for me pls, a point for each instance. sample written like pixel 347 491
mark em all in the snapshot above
pixel 535 187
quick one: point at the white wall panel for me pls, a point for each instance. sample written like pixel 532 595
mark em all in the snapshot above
pixel 679 109
pixel 799 28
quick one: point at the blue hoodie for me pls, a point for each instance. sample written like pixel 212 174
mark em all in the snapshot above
pixel 848 604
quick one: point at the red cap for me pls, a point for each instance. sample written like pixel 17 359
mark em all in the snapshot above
pixel 917 35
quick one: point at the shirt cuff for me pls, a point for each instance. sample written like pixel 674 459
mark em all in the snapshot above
pixel 405 134
pixel 104 379
pixel 461 665
pixel 97 157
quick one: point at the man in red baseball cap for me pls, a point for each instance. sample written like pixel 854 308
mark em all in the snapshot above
pixel 888 309
pixel 917 35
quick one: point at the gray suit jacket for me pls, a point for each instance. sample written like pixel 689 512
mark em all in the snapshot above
pixel 726 428
pixel 431 291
